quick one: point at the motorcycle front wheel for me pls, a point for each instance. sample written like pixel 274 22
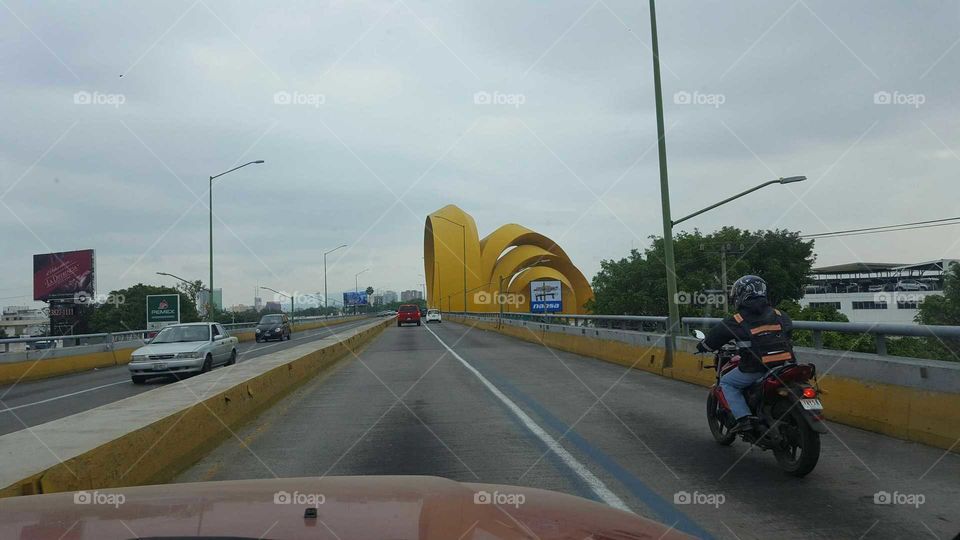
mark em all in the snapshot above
pixel 801 449
pixel 719 430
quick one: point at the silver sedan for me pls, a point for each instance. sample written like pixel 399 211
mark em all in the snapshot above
pixel 182 350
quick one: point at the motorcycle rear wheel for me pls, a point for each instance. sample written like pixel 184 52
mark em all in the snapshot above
pixel 803 445
pixel 719 430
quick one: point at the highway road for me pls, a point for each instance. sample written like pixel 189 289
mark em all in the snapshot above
pixel 475 406
pixel 30 403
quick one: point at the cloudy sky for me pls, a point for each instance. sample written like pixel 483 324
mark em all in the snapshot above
pixel 385 124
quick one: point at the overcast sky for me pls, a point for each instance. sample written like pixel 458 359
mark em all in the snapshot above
pixel 385 106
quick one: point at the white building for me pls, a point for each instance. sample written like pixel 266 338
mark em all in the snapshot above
pixel 389 297
pixel 876 292
pixel 407 296
pixel 24 321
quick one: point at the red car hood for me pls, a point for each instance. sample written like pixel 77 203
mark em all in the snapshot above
pixel 348 507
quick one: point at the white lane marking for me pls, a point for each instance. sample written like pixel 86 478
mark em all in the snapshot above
pixel 48 400
pixel 581 470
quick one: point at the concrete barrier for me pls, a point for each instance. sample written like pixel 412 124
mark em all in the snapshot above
pixel 151 437
pixel 912 399
pixel 56 362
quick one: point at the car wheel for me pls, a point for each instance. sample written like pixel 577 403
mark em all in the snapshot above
pixel 207 364
pixel 233 358
pixel 138 379
pixel 418 323
pixel 399 324
pixel 257 339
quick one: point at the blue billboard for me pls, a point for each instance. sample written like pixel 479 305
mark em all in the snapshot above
pixel 546 297
pixel 354 298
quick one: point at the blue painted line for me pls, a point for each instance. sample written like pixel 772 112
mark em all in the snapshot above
pixel 665 510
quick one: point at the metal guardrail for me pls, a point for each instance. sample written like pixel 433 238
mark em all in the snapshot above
pixel 130 335
pixel 642 323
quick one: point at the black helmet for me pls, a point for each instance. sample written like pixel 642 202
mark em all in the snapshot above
pixel 746 288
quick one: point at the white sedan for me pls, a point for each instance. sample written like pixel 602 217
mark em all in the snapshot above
pixel 433 315
pixel 182 350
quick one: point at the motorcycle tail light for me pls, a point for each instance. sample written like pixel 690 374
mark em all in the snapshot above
pixel 809 393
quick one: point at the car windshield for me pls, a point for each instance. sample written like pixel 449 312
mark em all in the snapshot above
pixel 433 312
pixel 177 334
pixel 406 309
pixel 271 319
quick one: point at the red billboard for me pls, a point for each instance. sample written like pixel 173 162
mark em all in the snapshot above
pixel 62 275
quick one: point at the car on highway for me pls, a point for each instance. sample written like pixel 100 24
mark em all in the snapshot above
pixel 183 350
pixel 408 313
pixel 433 315
pixel 43 344
pixel 273 326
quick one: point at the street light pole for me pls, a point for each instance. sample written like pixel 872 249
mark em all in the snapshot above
pixel 673 319
pixel 463 230
pixel 325 273
pixel 356 286
pixel 210 193
pixel 788 180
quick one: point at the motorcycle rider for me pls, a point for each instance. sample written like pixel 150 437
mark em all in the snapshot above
pixel 762 335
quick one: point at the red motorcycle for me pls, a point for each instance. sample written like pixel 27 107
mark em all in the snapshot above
pixel 787 405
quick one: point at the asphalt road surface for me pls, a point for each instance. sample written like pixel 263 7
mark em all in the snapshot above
pixel 30 403
pixel 476 406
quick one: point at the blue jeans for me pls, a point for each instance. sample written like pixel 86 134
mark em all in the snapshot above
pixel 732 385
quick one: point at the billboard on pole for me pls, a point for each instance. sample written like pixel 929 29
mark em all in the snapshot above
pixel 546 296
pixel 355 298
pixel 162 310
pixel 67 274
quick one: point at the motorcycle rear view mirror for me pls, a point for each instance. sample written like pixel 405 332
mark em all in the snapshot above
pixel 698 334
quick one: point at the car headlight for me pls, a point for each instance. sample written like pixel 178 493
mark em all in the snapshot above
pixel 188 355
pixel 276 330
pixel 138 358
pixel 258 330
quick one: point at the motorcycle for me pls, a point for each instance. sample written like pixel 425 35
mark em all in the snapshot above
pixel 786 404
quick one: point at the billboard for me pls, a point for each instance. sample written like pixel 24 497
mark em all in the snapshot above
pixel 546 296
pixel 162 310
pixel 355 298
pixel 66 274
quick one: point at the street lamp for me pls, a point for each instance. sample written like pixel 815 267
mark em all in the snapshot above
pixel 463 229
pixel 189 283
pixel 293 315
pixel 356 286
pixel 788 180
pixel 325 272
pixel 210 192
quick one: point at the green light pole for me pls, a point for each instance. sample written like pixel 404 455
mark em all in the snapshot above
pixel 210 192
pixel 463 230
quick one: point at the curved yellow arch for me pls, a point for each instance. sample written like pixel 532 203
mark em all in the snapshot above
pixel 464 272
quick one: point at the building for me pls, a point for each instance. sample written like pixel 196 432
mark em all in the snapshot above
pixel 20 321
pixel 257 303
pixel 389 297
pixel 376 300
pixel 239 308
pixel 876 292
pixel 273 307
pixel 410 296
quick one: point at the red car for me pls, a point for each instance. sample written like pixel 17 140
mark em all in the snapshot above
pixel 408 313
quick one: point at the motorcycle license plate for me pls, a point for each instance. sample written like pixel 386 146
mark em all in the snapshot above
pixel 811 404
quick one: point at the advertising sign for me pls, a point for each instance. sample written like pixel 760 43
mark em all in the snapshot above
pixel 546 296
pixel 63 275
pixel 355 298
pixel 162 310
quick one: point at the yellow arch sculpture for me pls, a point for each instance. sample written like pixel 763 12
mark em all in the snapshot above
pixel 464 272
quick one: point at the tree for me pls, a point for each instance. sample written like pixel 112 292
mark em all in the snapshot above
pixel 131 312
pixel 938 310
pixel 636 285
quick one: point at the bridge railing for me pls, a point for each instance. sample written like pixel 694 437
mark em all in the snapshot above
pixel 880 332
pixel 113 338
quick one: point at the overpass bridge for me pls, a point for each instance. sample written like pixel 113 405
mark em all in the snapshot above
pixel 568 405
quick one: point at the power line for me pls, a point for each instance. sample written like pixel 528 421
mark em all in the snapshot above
pixel 889 230
pixel 898 227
